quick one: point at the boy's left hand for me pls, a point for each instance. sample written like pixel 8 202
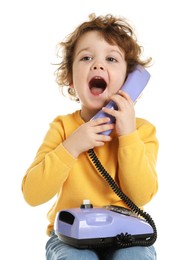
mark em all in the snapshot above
pixel 125 115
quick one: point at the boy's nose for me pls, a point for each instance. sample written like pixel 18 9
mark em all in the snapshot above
pixel 98 66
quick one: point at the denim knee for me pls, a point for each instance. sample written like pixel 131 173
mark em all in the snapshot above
pixel 57 250
pixel 132 253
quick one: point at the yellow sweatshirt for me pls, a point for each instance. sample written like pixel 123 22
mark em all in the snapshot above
pixel 130 160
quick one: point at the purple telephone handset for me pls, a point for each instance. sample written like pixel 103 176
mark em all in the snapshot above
pixel 133 86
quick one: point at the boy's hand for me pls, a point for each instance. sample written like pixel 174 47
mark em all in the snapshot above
pixel 87 136
pixel 125 115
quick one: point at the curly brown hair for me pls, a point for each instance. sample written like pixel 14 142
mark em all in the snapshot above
pixel 114 30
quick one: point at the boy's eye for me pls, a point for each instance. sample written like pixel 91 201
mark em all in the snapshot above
pixel 111 59
pixel 86 58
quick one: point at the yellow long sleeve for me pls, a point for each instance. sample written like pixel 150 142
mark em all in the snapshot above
pixel 130 160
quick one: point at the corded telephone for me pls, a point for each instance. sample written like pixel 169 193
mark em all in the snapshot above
pixel 89 227
pixel 134 85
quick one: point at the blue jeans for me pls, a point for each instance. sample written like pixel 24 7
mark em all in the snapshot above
pixel 57 250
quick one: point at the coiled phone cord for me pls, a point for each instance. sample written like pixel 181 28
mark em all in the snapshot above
pixel 125 240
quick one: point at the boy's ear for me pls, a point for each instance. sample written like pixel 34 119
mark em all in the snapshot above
pixel 71 85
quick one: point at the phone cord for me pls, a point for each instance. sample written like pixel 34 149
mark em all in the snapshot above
pixel 127 239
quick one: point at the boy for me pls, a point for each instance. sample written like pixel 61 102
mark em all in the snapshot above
pixel 96 59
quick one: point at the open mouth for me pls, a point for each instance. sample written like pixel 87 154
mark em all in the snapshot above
pixel 97 85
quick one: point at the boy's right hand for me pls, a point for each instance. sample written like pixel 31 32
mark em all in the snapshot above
pixel 87 136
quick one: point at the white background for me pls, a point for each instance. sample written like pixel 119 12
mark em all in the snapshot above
pixel 30 100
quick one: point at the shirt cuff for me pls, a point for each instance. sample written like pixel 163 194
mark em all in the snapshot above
pixel 129 139
pixel 65 156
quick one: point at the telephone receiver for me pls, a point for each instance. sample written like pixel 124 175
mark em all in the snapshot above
pixel 133 86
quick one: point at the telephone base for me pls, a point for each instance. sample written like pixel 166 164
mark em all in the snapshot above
pixel 100 227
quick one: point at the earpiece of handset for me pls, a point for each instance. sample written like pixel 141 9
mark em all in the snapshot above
pixel 133 86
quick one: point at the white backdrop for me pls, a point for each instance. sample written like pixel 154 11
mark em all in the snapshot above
pixel 30 100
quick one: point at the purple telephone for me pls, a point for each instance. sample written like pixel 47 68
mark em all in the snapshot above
pixel 89 227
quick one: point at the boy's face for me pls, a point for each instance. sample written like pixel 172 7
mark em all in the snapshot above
pixel 99 70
